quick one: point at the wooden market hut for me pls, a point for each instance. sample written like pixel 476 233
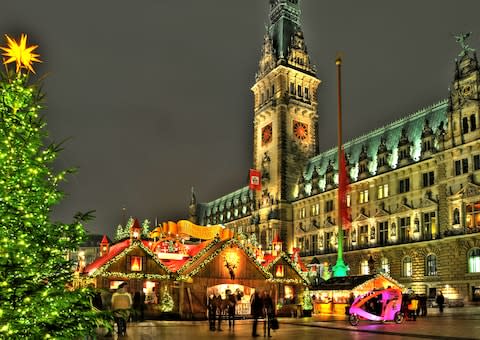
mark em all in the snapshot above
pixel 189 273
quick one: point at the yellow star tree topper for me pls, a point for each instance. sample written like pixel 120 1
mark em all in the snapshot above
pixel 19 53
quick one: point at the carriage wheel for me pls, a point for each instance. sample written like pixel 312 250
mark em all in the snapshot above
pixel 353 318
pixel 398 317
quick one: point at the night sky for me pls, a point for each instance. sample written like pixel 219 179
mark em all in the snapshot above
pixel 153 97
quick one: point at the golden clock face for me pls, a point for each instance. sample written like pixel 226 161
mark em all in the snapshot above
pixel 267 134
pixel 466 90
pixel 300 130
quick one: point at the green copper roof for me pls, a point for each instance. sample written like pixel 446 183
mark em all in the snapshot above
pixel 284 22
pixel 237 198
pixel 413 125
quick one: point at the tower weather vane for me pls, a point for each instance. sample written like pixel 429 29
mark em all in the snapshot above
pixel 462 40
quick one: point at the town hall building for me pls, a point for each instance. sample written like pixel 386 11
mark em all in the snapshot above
pixel 414 193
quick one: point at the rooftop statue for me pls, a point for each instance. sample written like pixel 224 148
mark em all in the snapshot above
pixel 462 40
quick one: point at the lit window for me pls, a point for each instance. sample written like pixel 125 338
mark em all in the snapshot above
pixel 279 270
pixel 364 267
pixel 472 216
pixel 349 201
pixel 136 263
pixel 474 260
pixel 431 265
pixel 382 191
pixel 384 265
pixel 407 266
pixel 315 209
pixel 302 213
pixel 364 196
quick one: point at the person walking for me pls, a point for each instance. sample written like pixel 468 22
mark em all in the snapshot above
pixel 231 303
pixel 268 312
pixel 256 304
pixel 121 303
pixel 440 301
pixel 219 310
pixel 211 309
pixel 139 306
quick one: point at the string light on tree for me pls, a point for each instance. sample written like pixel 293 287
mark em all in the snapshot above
pixel 34 271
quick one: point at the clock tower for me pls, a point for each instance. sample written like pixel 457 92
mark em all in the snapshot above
pixel 285 116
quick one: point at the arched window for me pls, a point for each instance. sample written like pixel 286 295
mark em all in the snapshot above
pixel 474 260
pixel 473 215
pixel 456 216
pixel 364 267
pixel 465 124
pixel 431 265
pixel 384 265
pixel 407 266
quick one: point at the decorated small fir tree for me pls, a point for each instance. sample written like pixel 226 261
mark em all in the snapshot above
pixel 35 301
pixel 146 229
pixel 166 304
pixel 307 300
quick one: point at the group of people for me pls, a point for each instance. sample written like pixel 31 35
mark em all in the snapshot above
pixel 217 307
pixel 262 306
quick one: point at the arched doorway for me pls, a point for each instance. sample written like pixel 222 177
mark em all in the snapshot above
pixel 242 292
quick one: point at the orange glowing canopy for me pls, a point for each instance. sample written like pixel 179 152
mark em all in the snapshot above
pixel 184 227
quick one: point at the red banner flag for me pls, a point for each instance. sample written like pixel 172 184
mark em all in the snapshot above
pixel 343 189
pixel 254 182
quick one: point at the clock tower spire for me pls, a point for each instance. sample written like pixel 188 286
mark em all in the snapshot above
pixel 285 114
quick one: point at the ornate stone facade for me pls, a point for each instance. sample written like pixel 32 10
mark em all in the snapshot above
pixel 414 196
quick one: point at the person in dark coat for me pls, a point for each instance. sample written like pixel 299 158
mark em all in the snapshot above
pixel 219 310
pixel 231 303
pixel 212 309
pixel 268 312
pixel 440 301
pixel 139 306
pixel 256 304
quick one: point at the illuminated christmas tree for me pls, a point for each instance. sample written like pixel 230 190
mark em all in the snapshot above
pixel 166 305
pixel 35 302
pixel 307 301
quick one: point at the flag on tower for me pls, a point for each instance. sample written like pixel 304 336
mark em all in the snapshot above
pixel 254 182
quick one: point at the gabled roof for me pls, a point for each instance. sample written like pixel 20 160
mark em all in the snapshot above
pixel 112 252
pixel 299 267
pixel 211 251
pixel 116 252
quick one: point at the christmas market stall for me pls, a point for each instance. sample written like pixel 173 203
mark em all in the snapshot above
pixel 332 296
pixel 179 265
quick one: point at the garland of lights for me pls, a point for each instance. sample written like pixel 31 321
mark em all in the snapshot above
pixel 37 299
pixel 212 256
pixel 136 276
pixel 198 255
pixel 294 265
pixel 102 271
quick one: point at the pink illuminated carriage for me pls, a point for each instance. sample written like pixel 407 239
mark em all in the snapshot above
pixel 380 305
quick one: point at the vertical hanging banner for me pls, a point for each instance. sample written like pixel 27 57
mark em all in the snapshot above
pixel 343 188
pixel 254 182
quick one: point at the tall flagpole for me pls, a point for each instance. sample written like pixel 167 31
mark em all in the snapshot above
pixel 340 269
